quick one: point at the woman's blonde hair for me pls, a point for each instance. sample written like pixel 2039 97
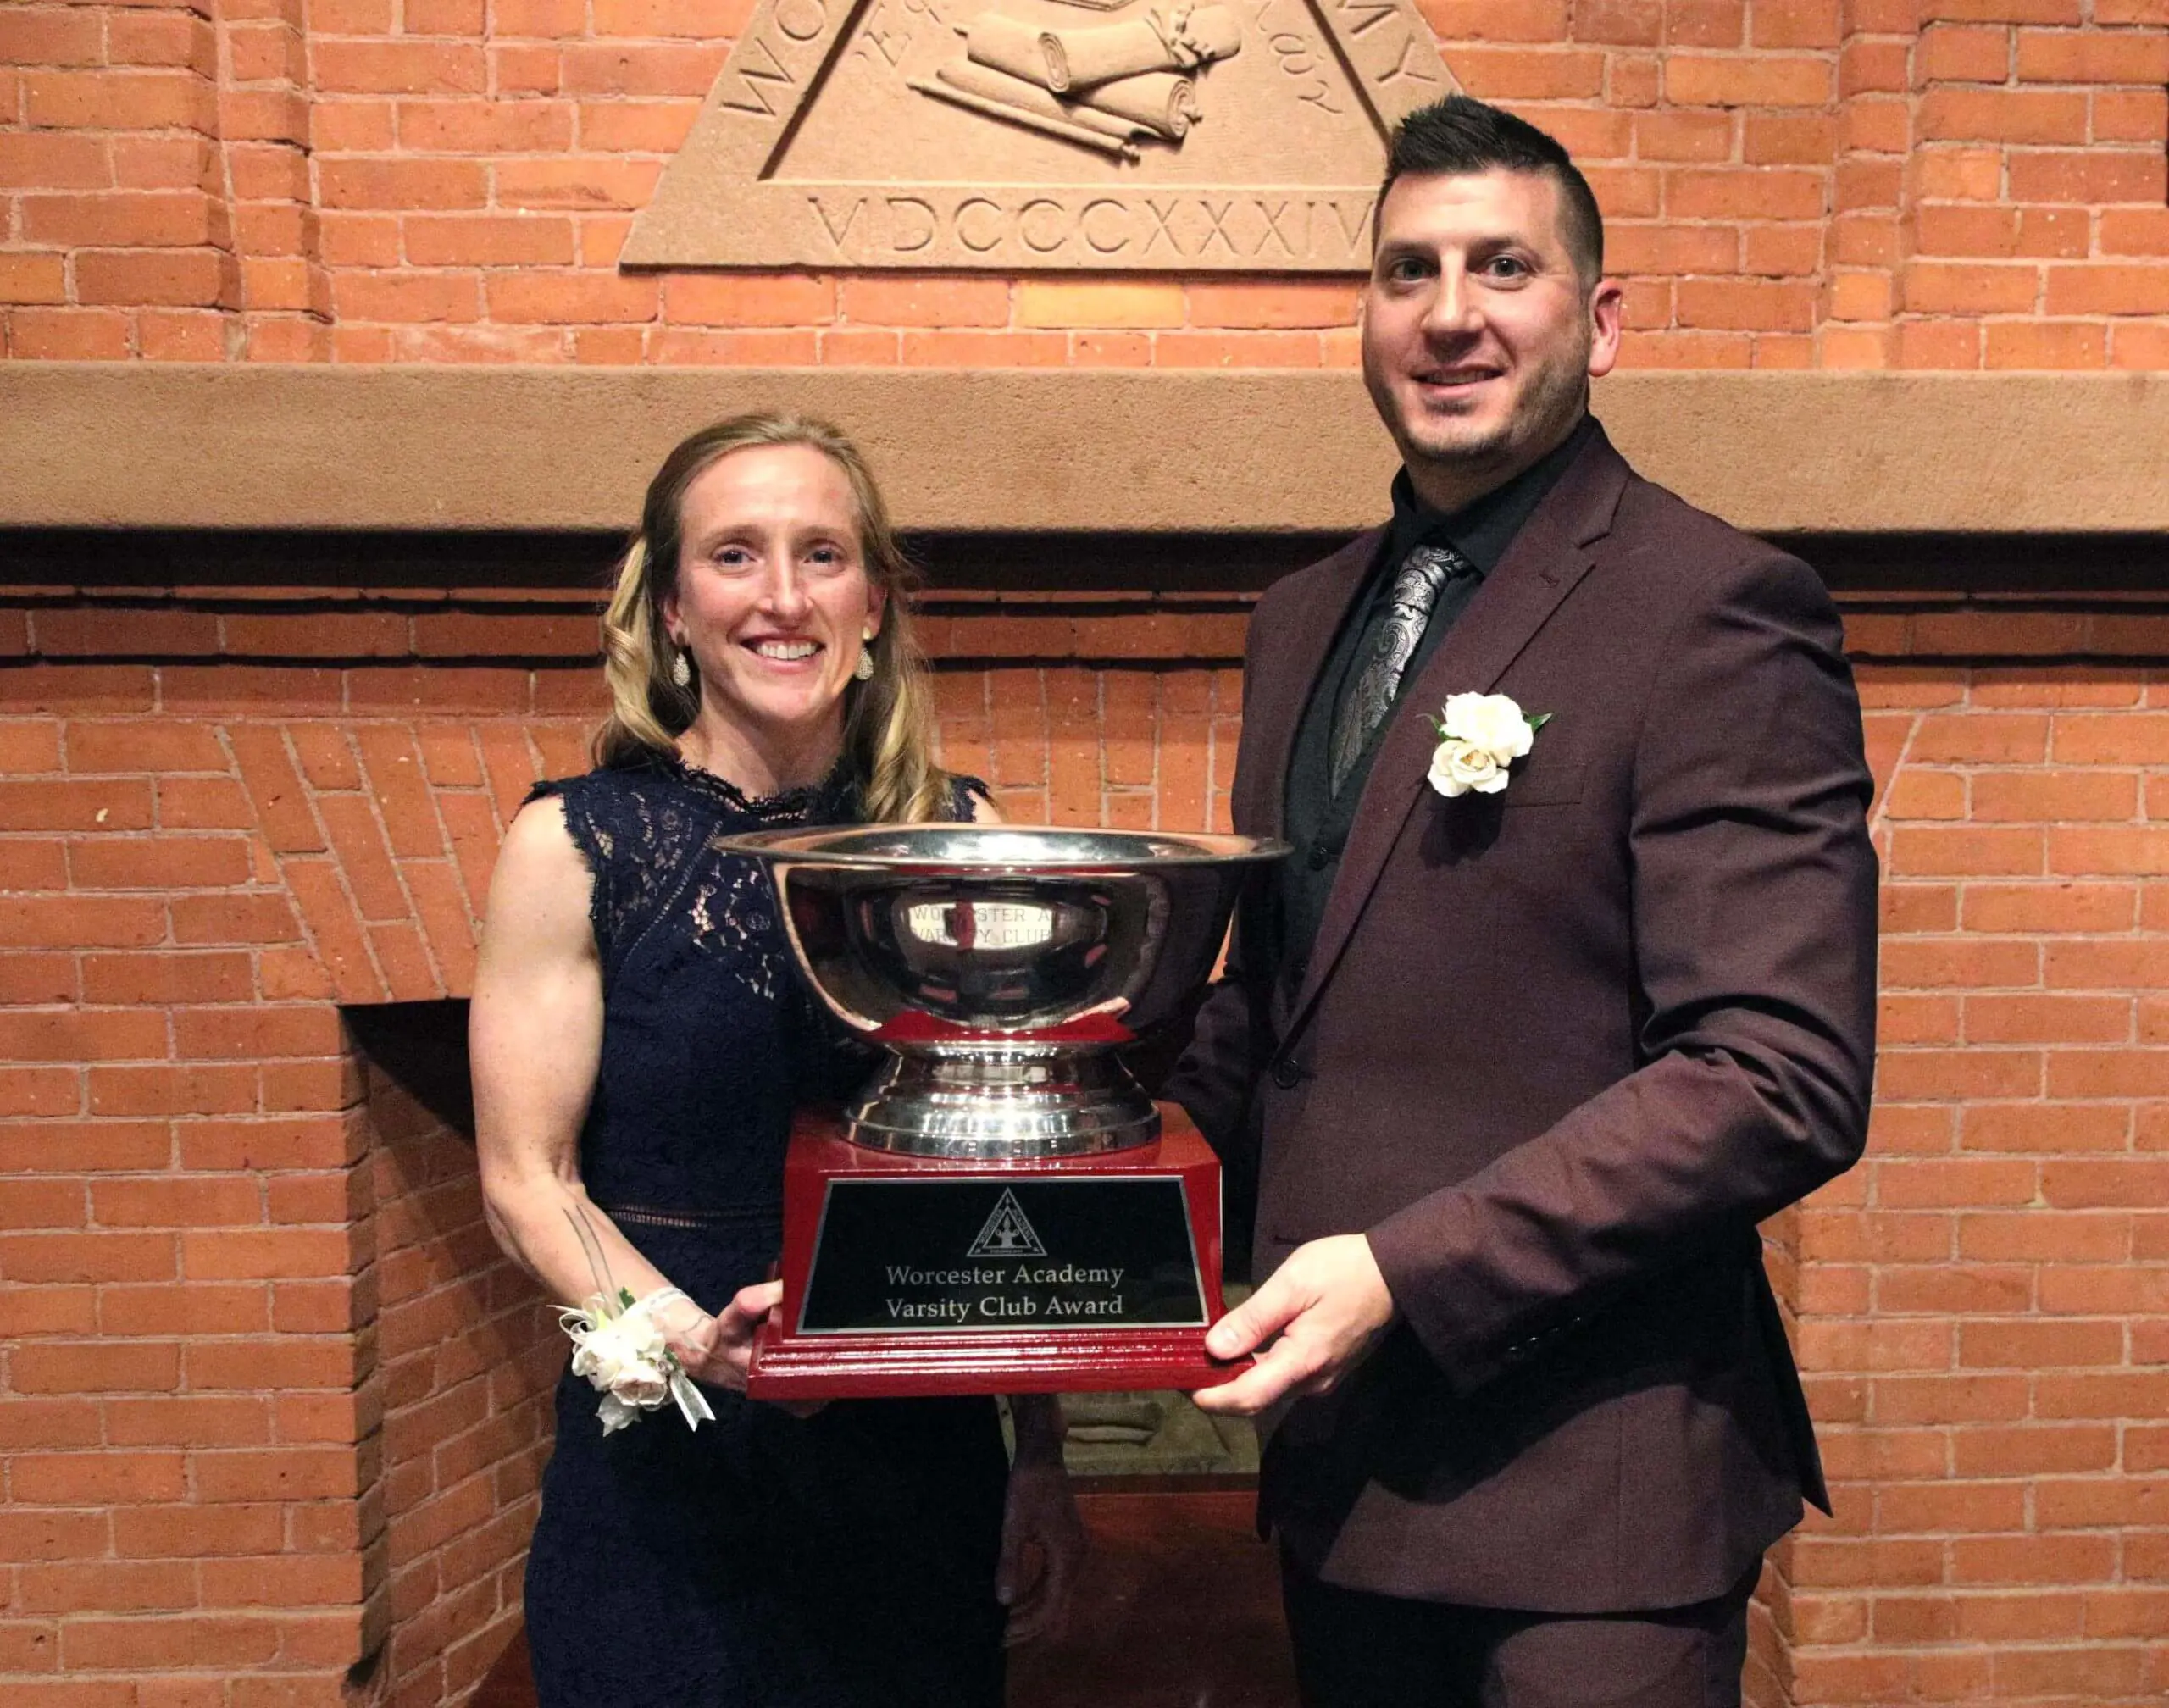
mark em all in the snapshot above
pixel 888 720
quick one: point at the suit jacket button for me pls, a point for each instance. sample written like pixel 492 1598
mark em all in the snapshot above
pixel 1286 1071
pixel 1319 855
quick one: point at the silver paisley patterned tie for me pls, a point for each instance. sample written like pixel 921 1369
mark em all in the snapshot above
pixel 1423 573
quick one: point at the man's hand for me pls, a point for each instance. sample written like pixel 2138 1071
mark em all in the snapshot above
pixel 1328 1305
pixel 1042 1545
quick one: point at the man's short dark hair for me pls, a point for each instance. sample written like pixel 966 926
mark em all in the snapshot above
pixel 1459 136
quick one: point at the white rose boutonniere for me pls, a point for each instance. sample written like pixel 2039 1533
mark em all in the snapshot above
pixel 1480 735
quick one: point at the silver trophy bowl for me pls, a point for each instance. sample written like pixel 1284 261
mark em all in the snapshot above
pixel 1001 966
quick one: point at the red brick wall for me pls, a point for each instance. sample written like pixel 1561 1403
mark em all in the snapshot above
pixel 1983 1307
pixel 1787 183
pixel 239 1457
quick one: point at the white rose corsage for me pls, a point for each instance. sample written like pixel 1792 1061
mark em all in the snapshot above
pixel 620 1348
pixel 1480 735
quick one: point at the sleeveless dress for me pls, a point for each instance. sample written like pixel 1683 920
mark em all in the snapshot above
pixel 842 1561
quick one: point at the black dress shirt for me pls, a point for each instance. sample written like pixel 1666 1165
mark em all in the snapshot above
pixel 1318 819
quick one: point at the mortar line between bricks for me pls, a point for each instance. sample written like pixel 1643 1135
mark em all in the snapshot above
pixel 1982 603
pixel 1879 820
pixel 321 661
pixel 1067 661
pixel 338 865
pixel 2018 661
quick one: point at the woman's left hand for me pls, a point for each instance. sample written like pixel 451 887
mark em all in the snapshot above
pixel 1042 1545
pixel 715 1349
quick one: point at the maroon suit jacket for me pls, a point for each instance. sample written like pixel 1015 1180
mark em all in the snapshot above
pixel 1557 1051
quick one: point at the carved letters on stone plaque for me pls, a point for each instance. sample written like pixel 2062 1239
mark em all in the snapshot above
pixel 1177 136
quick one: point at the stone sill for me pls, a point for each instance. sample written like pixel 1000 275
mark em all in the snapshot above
pixel 132 445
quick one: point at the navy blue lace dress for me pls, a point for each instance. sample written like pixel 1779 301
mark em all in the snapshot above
pixel 841 1560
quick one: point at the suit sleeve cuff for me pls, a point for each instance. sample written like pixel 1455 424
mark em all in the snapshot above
pixel 1411 1250
pixel 1475 1326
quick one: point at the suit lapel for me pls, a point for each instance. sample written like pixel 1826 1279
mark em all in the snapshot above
pixel 1542 567
pixel 1311 627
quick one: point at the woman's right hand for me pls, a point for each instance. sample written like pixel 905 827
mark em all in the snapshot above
pixel 715 1349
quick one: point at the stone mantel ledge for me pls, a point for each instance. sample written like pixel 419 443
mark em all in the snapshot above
pixel 130 445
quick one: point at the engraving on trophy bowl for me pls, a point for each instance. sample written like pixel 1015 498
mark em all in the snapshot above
pixel 1000 966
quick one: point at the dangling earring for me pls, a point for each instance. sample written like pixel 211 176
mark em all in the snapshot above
pixel 864 668
pixel 681 672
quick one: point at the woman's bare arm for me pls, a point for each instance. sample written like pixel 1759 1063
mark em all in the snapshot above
pixel 534 1035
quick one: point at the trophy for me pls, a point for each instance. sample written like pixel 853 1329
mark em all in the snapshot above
pixel 1004 1210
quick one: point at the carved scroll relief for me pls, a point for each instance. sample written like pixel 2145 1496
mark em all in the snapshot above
pixel 1107 87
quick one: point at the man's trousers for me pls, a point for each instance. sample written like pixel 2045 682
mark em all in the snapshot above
pixel 1355 1650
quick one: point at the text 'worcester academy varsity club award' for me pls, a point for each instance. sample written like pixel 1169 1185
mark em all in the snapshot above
pixel 1005 1211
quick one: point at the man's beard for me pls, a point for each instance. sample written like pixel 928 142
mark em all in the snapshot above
pixel 1556 394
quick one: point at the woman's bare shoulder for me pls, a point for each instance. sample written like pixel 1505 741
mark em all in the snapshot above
pixel 541 886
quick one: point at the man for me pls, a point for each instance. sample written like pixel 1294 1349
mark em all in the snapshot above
pixel 1535 1025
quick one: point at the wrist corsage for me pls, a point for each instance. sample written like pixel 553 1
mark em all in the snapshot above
pixel 621 1349
pixel 618 1347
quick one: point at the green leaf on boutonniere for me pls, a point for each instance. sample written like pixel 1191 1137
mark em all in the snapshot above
pixel 1537 720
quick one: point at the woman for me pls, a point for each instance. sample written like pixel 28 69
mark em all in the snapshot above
pixel 639 1044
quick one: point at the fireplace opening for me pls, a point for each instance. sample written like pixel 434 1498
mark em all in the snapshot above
pixel 466 1352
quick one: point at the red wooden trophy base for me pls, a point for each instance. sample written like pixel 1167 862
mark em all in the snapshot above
pixel 788 1364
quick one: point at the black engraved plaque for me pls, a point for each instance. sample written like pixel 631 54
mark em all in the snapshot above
pixel 1019 1253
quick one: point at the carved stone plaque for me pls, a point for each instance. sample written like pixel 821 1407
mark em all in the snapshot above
pixel 1181 135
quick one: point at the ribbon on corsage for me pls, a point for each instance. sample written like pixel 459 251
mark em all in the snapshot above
pixel 621 1349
